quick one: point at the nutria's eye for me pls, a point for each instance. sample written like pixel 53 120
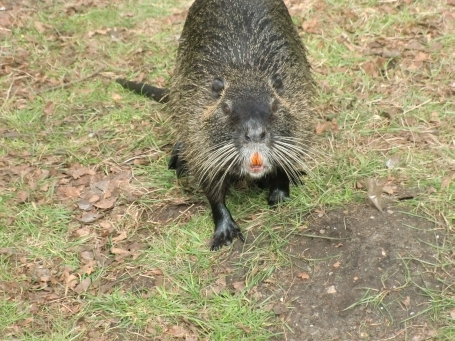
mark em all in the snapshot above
pixel 217 87
pixel 275 106
pixel 277 83
pixel 226 109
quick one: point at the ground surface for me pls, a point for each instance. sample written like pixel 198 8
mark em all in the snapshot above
pixel 98 241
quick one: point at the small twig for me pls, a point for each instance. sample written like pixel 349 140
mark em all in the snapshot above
pixel 320 237
pixel 66 85
pixel 416 107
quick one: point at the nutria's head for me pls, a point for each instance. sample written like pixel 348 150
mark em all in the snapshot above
pixel 251 128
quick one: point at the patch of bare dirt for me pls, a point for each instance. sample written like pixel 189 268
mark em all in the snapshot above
pixel 351 256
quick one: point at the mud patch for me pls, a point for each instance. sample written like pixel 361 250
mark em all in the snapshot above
pixel 173 213
pixel 355 274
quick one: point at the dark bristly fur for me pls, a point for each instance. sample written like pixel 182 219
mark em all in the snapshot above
pixel 241 90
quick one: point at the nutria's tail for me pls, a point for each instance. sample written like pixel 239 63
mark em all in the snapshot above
pixel 158 94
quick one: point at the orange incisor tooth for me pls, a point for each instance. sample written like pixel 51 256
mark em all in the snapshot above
pixel 256 159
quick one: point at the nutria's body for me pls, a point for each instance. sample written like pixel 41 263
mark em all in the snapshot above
pixel 240 101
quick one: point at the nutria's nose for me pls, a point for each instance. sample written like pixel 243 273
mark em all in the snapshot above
pixel 254 132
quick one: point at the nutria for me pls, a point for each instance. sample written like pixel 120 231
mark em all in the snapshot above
pixel 240 102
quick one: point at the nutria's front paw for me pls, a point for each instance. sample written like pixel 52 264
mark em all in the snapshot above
pixel 277 196
pixel 224 234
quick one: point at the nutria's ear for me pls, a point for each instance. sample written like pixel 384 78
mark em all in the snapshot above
pixel 277 83
pixel 217 87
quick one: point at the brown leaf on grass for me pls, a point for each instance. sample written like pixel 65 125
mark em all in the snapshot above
pixel 331 290
pixel 178 331
pixel 407 302
pixel 21 197
pixel 393 162
pixel 87 268
pixel 120 254
pixel 303 275
pixel 86 256
pixel 122 236
pixel 84 205
pixel 83 285
pixel 106 203
pixel 70 281
pixel 374 192
pixel 415 45
pixel 90 217
pixel 119 251
pixel 49 108
pixel 370 68
pixel 116 97
pixel 239 286
pixel 321 127
pixel 70 192
pixel 40 27
pixel 244 328
pixel 445 183
pixel 76 173
pixel 280 309
pixel 389 189
pixel 421 56
pixel 94 198
pixel 310 25
pixel 217 287
pixel 82 232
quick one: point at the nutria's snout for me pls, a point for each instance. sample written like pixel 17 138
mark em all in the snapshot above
pixel 256 160
pixel 256 163
pixel 254 148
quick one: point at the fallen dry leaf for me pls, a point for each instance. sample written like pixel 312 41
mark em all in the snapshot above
pixel 87 268
pixel 336 265
pixel 445 183
pixel 280 308
pixel 116 97
pixel 244 328
pixel 239 286
pixel 83 285
pixel 393 162
pixel 374 192
pixel 94 198
pixel 123 235
pixel 106 203
pixel 21 196
pixel 76 173
pixel 331 290
pixel 118 251
pixel 70 192
pixel 90 217
pixel 177 331
pixel 82 232
pixel 406 302
pixel 84 205
pixel 303 275
pixel 49 108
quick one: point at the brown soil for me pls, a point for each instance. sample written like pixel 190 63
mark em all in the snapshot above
pixel 355 252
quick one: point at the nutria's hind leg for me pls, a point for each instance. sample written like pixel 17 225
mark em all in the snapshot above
pixel 226 230
pixel 279 187
pixel 176 162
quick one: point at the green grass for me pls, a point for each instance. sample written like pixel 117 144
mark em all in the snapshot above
pixel 89 127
